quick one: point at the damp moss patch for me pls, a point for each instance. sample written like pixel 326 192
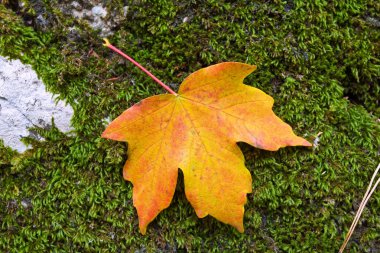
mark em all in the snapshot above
pixel 318 61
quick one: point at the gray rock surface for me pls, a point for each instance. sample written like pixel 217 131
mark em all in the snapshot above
pixel 24 102
pixel 96 15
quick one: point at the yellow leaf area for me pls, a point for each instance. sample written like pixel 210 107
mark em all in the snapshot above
pixel 197 132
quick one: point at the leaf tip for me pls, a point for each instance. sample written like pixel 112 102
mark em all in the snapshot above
pixel 240 229
pixel 239 225
pixel 307 144
pixel 143 230
pixel 299 141
pixel 109 135
pixel 143 223
pixel 303 142
pixel 104 134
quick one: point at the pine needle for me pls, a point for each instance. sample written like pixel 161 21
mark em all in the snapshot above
pixel 366 197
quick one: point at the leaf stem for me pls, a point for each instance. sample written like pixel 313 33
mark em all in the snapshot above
pixel 110 46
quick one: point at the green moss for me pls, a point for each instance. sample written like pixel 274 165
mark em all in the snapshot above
pixel 6 155
pixel 67 193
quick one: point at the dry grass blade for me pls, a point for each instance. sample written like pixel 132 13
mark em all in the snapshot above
pixel 366 197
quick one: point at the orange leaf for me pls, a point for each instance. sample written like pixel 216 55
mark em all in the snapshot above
pixel 197 132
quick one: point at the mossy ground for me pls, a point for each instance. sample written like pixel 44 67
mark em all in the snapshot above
pixel 318 59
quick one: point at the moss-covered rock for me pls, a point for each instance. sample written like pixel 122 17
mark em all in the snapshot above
pixel 67 193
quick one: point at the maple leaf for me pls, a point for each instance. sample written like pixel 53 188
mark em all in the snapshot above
pixel 197 131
